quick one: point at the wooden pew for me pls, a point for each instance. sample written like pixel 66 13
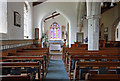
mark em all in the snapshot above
pixel 23 58
pixel 78 44
pixel 77 50
pixel 23 64
pixel 31 54
pixel 113 53
pixel 10 58
pixel 13 50
pixel 28 54
pixel 73 45
pixel 42 60
pixel 89 59
pixel 97 58
pixel 35 50
pixel 38 48
pixel 86 52
pixel 94 53
pixel 113 44
pixel 103 77
pixel 66 50
pixel 90 53
pixel 35 53
pixel 93 64
pixel 16 77
pixel 101 50
pixel 81 54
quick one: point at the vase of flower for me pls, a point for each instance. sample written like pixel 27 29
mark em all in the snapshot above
pixel 86 40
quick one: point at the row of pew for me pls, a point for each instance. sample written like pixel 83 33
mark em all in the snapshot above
pixel 102 44
pixel 28 63
pixel 83 64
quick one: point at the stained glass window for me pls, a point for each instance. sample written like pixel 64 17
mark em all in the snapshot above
pixel 55 31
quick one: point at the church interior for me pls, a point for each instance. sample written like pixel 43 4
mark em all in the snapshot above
pixel 58 40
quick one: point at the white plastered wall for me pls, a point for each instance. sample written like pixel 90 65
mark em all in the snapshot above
pixel 14 32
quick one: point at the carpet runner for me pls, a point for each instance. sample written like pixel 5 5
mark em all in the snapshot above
pixel 56 71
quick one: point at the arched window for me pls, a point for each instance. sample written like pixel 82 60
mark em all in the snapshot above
pixel 55 31
pixel 3 16
pixel 27 20
pixel 117 38
pixel 117 33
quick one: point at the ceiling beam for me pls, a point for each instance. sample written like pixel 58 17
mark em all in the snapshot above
pixel 107 6
pixel 38 2
pixel 52 16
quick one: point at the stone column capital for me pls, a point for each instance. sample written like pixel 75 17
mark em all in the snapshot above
pixel 93 17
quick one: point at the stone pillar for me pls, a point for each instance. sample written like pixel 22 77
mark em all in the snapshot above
pixel 93 15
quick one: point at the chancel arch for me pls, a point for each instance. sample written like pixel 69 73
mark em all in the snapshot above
pixel 62 20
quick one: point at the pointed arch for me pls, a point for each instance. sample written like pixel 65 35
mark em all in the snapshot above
pixel 68 24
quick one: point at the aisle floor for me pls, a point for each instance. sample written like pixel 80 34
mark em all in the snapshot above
pixel 56 71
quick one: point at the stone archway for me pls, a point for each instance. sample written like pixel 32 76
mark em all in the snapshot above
pixel 113 30
pixel 67 33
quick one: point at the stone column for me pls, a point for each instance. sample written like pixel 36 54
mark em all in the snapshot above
pixel 93 15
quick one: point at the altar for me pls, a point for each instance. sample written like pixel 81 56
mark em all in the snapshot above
pixel 55 45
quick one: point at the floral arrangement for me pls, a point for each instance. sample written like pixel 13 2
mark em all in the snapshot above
pixel 86 39
pixel 44 38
